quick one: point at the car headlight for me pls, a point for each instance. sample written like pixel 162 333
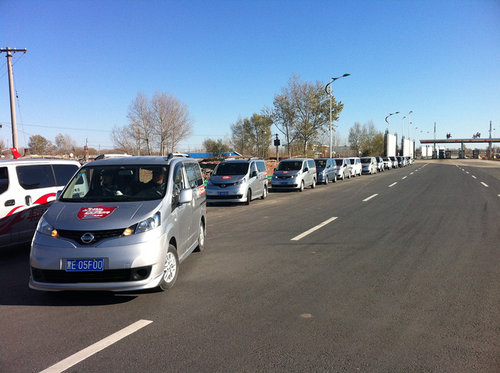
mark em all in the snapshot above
pixel 45 228
pixel 242 181
pixel 145 225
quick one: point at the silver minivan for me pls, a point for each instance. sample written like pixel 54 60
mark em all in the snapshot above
pixel 238 180
pixel 121 224
pixel 295 173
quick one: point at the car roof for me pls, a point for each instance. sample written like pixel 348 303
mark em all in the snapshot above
pixel 25 161
pixel 138 160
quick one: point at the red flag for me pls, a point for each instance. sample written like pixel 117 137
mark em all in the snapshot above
pixel 15 153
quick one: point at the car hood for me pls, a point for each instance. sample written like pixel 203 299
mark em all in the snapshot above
pixel 99 216
pixel 226 179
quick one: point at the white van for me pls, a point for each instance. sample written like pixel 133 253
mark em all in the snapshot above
pixel 238 180
pixel 294 173
pixel 356 166
pixel 27 186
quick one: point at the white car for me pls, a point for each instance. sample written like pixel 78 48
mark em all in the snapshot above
pixel 27 187
pixel 356 166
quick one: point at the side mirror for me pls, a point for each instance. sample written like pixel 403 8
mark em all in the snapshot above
pixel 253 174
pixel 58 194
pixel 306 169
pixel 186 196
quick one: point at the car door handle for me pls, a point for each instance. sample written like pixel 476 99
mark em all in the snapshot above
pixel 10 202
pixel 28 200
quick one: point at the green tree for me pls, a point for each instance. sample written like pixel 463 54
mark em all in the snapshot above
pixel 355 138
pixel 302 112
pixel 252 136
pixel 39 145
pixel 218 147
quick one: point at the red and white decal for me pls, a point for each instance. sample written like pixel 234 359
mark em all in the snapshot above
pixel 97 212
pixel 202 190
pixel 285 172
pixel 226 177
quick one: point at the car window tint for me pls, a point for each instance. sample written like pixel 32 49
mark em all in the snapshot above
pixel 261 166
pixel 64 172
pixel 194 175
pixel 35 177
pixel 4 179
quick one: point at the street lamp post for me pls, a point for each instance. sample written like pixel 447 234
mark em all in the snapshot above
pixel 409 123
pixel 387 119
pixel 328 90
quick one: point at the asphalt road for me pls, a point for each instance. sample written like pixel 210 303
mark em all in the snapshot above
pixel 407 280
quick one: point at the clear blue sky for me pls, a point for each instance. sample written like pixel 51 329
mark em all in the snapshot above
pixel 87 61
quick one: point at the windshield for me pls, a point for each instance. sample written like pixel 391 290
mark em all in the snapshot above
pixel 320 163
pixel 339 162
pixel 117 183
pixel 289 166
pixel 366 160
pixel 231 169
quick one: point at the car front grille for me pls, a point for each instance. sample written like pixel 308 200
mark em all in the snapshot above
pixel 236 196
pixel 110 275
pixel 98 235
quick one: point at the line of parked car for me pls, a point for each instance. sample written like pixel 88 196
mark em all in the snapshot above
pixel 126 223
pixel 242 180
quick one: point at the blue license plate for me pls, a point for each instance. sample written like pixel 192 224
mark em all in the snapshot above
pixel 84 265
pixel 284 183
pixel 223 193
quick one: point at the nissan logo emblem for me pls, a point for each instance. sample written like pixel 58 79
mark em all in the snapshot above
pixel 87 237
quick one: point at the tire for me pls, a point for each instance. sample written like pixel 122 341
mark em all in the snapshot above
pixel 170 269
pixel 313 184
pixel 334 178
pixel 201 238
pixel 349 175
pixel 326 180
pixel 264 193
pixel 301 189
pixel 249 197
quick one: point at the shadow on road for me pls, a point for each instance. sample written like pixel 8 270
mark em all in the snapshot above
pixel 14 290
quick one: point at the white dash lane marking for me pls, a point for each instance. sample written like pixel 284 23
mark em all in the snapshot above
pixel 468 172
pixel 486 185
pixel 390 186
pixel 411 173
pixel 96 347
pixel 404 177
pixel 369 198
pixel 300 236
pixel 474 177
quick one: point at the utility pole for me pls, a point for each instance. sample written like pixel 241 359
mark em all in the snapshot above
pixel 11 90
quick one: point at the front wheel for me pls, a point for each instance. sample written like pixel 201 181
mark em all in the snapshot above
pixel 201 238
pixel 264 193
pixel 313 184
pixel 170 269
pixel 301 186
pixel 326 180
pixel 249 197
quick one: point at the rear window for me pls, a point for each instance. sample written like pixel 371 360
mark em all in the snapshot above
pixel 64 172
pixel 35 177
pixel 231 169
pixel 4 179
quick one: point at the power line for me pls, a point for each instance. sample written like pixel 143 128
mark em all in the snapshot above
pixel 63 128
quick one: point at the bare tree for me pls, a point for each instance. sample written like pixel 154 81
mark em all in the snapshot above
pixel 171 121
pixel 65 144
pixel 139 115
pixel 301 112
